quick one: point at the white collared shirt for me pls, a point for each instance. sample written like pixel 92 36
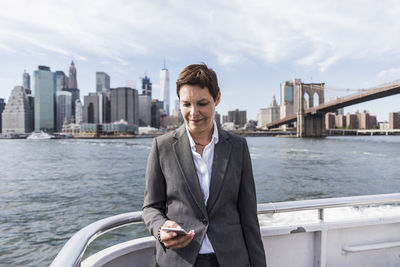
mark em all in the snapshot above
pixel 203 166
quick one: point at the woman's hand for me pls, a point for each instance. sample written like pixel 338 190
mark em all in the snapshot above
pixel 172 240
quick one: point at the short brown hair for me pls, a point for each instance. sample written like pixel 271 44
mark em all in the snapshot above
pixel 201 75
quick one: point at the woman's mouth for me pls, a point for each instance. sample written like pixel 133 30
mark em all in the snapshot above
pixel 195 120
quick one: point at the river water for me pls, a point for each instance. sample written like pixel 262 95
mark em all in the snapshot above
pixel 52 188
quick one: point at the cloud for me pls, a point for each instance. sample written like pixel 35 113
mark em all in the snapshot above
pixel 388 76
pixel 392 73
pixel 312 34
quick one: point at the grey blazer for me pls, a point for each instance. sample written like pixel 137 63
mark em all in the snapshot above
pixel 230 218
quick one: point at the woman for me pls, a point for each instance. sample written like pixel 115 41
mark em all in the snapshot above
pixel 200 178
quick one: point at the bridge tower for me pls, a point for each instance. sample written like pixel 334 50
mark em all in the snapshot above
pixel 311 125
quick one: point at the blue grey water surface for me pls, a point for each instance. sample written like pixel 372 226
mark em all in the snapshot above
pixel 52 188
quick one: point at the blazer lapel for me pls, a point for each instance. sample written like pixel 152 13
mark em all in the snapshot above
pixel 184 157
pixel 222 153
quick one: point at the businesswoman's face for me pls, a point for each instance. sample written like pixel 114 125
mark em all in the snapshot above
pixel 197 108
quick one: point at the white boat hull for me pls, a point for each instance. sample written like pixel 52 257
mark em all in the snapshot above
pixel 355 243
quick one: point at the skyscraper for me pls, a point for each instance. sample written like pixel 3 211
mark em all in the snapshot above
pixel 155 113
pixel 26 82
pixel 96 108
pixel 268 115
pixel 93 108
pixel 124 105
pixel 102 82
pixel 144 110
pixel 164 85
pixel 45 88
pixel 64 109
pixel 394 120
pixel 18 113
pixel 72 82
pixel 78 111
pixel 146 85
pixel 2 106
pixel 238 117
pixel 75 94
pixel 61 80
pixel 176 111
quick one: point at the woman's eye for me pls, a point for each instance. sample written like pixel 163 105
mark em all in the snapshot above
pixel 203 104
pixel 186 104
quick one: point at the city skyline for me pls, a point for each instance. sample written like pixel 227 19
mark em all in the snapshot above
pixel 253 47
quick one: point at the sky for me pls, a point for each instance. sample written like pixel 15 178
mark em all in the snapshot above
pixel 252 45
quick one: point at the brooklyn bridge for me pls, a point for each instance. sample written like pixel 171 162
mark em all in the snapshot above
pixel 310 121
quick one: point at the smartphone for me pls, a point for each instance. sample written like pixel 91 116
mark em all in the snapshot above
pixel 179 231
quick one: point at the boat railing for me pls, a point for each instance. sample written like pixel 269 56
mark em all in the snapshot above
pixel 72 252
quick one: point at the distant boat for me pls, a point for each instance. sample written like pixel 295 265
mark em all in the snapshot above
pixel 40 136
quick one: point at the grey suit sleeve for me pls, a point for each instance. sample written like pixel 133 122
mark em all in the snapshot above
pixel 155 195
pixel 247 205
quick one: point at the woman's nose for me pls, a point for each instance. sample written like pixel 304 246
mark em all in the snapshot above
pixel 193 110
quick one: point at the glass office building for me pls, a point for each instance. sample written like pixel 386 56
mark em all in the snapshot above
pixel 44 90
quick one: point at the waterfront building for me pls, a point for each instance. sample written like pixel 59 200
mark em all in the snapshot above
pixel 238 117
pixel 71 129
pixel 146 86
pixel 93 108
pixel 144 110
pixel 340 121
pixel 45 88
pixel 171 122
pixel 224 118
pixel 177 104
pixel 118 128
pixel 64 109
pixel 330 120
pixel 107 106
pixel 124 105
pixel 78 111
pixel 250 125
pixel 147 130
pixel 268 115
pixel 61 80
pixel 102 82
pixel 367 121
pixel 394 120
pixel 177 110
pixel 358 115
pixel 384 125
pixel 2 106
pixel 217 119
pixel 242 117
pixel 164 84
pixel 26 82
pixel 289 93
pixel 155 113
pixel 17 116
pixel 228 126
pixel 351 121
pixel 72 81
pixel 75 94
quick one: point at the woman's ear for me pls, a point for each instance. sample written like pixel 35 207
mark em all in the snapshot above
pixel 218 99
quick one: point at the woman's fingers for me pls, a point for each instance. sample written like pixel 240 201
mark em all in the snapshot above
pixel 171 239
pixel 179 241
pixel 171 224
pixel 166 235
